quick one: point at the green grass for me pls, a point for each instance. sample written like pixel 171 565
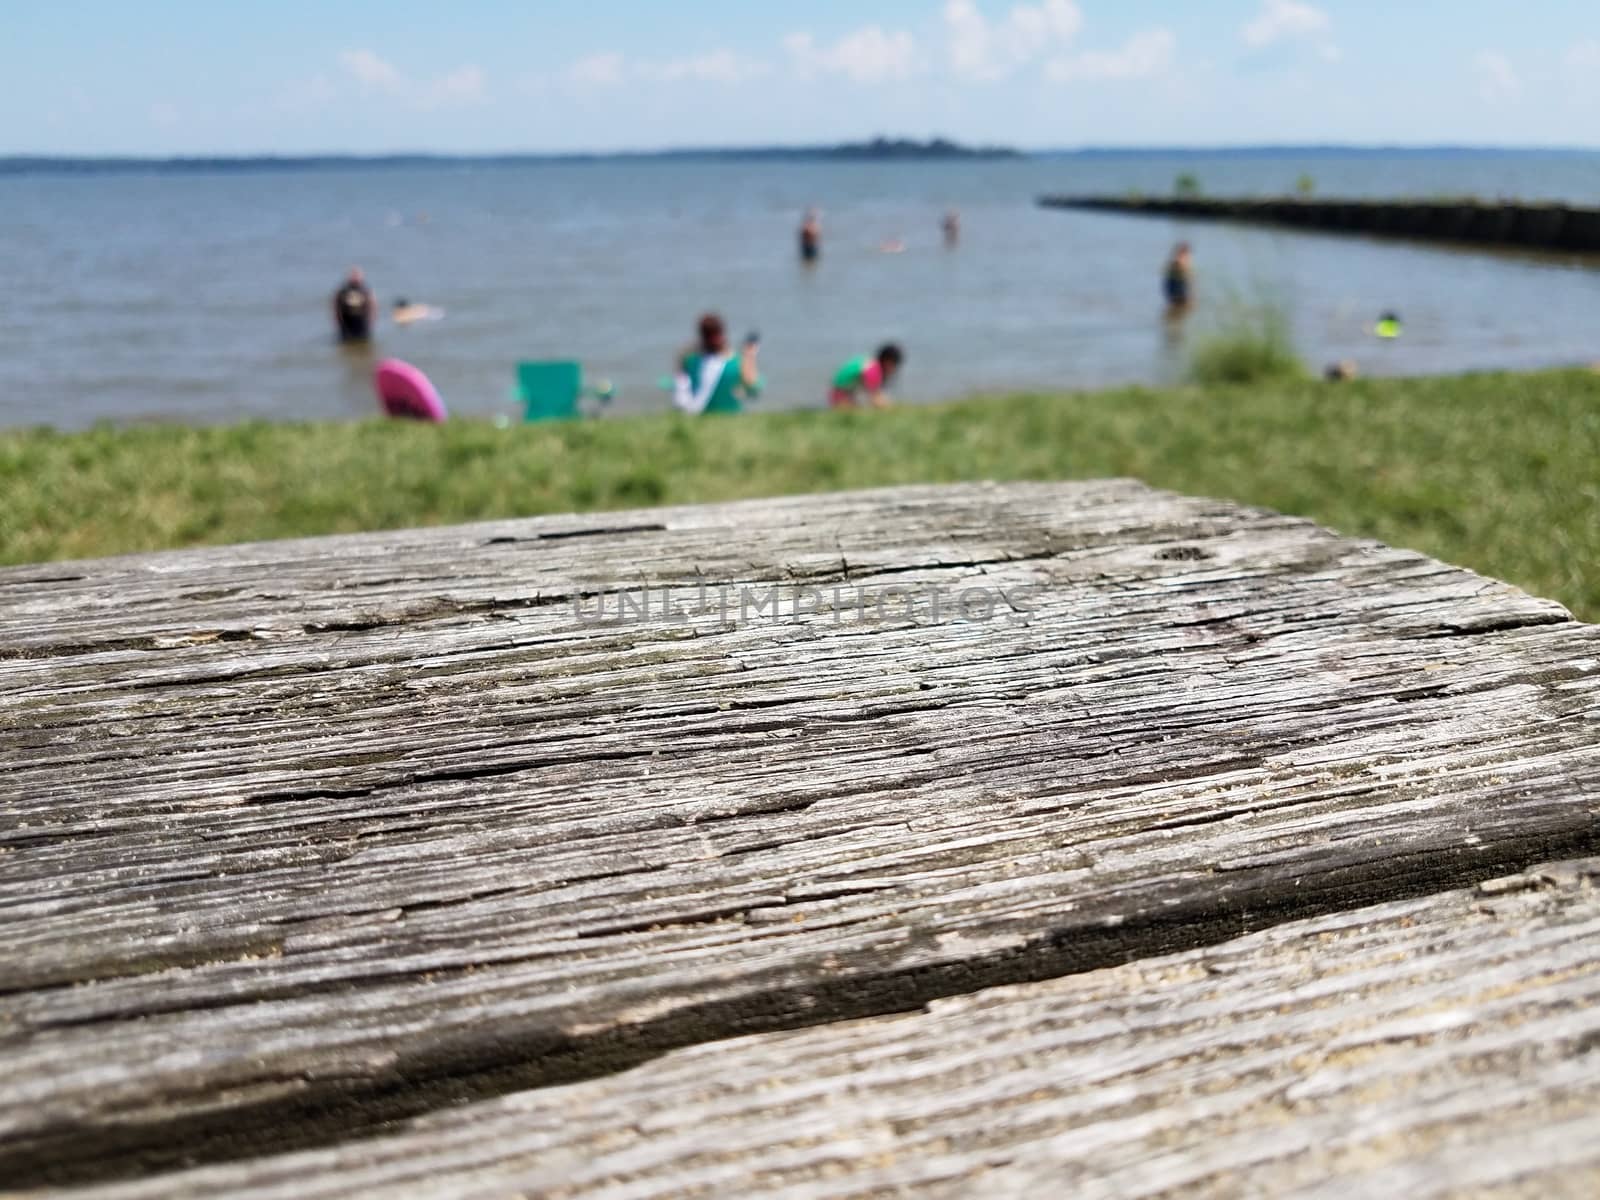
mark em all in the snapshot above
pixel 1497 472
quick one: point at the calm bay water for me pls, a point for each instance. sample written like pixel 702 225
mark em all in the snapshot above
pixel 205 298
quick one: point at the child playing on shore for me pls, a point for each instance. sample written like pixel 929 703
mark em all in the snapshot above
pixel 869 375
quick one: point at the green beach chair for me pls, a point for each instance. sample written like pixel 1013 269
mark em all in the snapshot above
pixel 549 391
pixel 553 390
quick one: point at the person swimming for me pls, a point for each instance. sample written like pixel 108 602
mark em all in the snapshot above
pixel 1388 327
pixel 407 313
pixel 870 375
pixel 353 308
pixel 1177 283
pixel 710 379
pixel 811 237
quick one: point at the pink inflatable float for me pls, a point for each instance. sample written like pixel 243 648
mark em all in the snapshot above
pixel 405 391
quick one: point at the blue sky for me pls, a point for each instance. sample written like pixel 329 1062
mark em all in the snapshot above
pixel 228 76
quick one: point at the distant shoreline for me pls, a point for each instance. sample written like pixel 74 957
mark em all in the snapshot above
pixel 877 151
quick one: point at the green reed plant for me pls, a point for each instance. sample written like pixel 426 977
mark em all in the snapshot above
pixel 1254 343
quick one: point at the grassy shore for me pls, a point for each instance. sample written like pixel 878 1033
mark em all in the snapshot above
pixel 1500 473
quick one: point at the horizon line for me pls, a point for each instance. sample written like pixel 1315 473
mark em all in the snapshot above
pixel 962 149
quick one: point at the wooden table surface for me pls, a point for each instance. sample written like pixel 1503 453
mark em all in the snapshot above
pixel 675 852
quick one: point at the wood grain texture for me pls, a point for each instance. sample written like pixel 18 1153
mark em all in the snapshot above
pixel 306 837
pixel 1441 1047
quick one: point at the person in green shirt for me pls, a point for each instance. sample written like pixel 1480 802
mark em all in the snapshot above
pixel 871 375
pixel 710 378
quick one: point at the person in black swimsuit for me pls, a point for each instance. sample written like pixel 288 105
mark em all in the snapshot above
pixel 354 308
pixel 1177 283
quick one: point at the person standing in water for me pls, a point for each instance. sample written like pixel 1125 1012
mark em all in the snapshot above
pixel 710 379
pixel 811 237
pixel 952 228
pixel 870 375
pixel 354 308
pixel 1178 282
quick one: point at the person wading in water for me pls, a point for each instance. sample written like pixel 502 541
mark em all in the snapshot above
pixel 1178 282
pixel 811 237
pixel 354 309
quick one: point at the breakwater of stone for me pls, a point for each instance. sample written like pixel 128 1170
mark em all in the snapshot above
pixel 1544 226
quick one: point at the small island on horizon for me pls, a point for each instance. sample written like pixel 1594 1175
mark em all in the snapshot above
pixel 880 149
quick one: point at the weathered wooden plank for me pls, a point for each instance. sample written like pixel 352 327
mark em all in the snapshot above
pixel 306 836
pixel 1442 1047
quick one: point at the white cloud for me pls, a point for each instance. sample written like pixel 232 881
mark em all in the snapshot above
pixel 1286 20
pixel 598 70
pixel 1143 56
pixel 1584 56
pixel 1581 71
pixel 717 66
pixel 982 49
pixel 1497 78
pixel 869 55
pixel 367 69
pixel 464 85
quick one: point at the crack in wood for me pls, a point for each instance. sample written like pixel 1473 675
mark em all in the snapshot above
pixel 567 535
pixel 517 1059
pixel 1507 625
